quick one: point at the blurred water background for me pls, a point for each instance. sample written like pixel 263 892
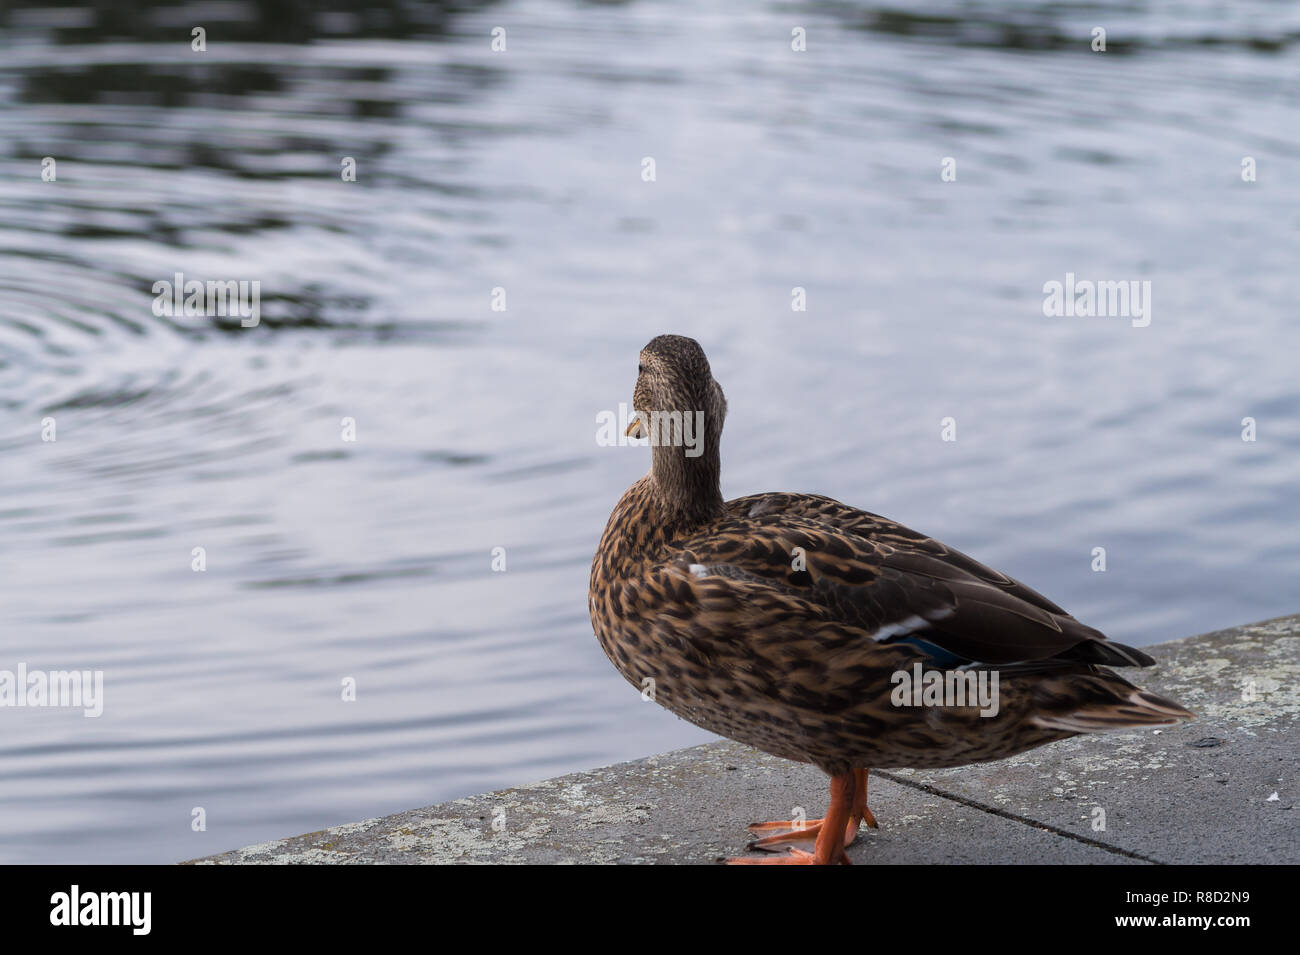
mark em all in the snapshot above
pixel 476 428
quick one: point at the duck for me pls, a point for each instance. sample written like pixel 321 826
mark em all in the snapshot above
pixel 791 622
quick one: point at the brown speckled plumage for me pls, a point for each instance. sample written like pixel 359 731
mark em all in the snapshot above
pixel 779 619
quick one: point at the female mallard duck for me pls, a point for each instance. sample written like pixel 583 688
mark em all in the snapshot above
pixel 784 621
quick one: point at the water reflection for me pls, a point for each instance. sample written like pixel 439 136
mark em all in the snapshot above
pixel 371 560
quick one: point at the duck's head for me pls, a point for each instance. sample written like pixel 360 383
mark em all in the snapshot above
pixel 674 376
pixel 680 408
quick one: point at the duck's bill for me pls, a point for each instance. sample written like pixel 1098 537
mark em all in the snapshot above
pixel 636 429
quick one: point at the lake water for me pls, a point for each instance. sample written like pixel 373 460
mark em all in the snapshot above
pixel 522 170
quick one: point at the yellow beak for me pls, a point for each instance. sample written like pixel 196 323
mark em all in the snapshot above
pixel 635 429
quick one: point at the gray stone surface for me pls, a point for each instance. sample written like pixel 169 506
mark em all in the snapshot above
pixel 1221 788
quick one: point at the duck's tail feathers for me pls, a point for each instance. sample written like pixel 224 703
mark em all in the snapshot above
pixel 1111 654
pixel 1137 710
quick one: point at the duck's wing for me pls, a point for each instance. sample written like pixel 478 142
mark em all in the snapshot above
pixel 893 584
pixel 851 520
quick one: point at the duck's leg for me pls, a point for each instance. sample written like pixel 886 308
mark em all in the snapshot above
pixel 840 819
pixel 789 831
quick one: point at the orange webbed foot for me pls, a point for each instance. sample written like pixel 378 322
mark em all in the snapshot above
pixel 796 831
pixel 828 836
pixel 787 832
pixel 795 857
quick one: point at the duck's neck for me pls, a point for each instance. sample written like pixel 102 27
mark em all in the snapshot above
pixel 685 479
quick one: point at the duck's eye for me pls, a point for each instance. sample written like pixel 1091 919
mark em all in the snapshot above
pixel 640 368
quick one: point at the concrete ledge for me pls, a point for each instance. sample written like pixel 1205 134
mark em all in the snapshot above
pixel 1221 789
